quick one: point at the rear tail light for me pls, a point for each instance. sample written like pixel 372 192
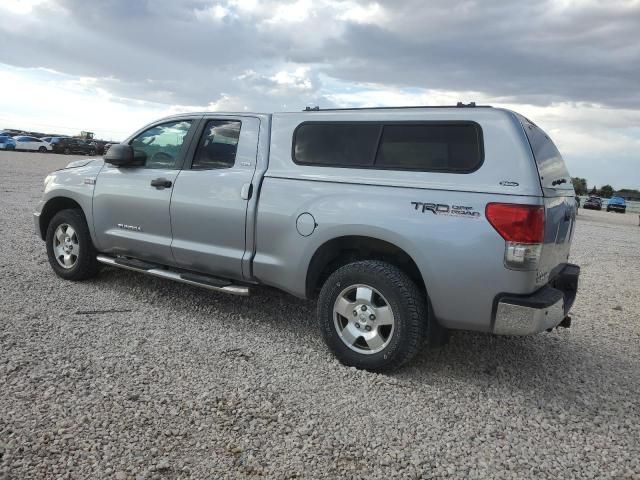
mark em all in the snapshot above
pixel 522 227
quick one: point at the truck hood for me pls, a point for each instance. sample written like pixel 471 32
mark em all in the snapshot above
pixel 84 162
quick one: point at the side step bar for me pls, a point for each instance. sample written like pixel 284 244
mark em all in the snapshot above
pixel 212 283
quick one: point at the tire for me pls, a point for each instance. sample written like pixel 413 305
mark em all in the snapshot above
pixel 82 263
pixel 67 151
pixel 390 346
pixel 92 152
pixel 42 149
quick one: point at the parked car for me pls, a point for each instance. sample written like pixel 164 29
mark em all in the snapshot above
pixel 106 148
pixel 99 145
pixel 402 223
pixel 616 204
pixel 68 145
pixel 593 203
pixel 31 143
pixel 7 143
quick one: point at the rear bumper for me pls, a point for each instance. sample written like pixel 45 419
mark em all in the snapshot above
pixel 544 309
pixel 617 208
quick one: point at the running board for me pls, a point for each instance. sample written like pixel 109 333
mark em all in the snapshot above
pixel 211 283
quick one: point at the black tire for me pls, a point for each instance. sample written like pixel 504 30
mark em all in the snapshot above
pixel 408 303
pixel 86 265
pixel 42 149
pixel 67 151
pixel 92 152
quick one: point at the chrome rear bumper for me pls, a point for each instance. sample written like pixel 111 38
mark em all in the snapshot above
pixel 542 310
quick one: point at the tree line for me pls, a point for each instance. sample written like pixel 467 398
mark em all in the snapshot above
pixel 606 191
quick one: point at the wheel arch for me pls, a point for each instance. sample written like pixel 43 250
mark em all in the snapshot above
pixel 339 251
pixel 53 206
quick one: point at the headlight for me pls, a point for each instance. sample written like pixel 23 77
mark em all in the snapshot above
pixel 47 179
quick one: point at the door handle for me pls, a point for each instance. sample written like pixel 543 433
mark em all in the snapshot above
pixel 161 183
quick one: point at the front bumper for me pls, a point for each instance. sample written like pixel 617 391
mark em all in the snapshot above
pixel 542 310
pixel 36 222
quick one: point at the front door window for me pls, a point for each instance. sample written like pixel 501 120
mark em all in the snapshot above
pixel 160 146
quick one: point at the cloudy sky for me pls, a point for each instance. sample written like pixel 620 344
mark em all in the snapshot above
pixel 109 66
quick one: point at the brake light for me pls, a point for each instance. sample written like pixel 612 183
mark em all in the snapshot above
pixel 522 227
pixel 517 223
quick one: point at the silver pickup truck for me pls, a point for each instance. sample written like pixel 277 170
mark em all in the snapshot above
pixel 402 222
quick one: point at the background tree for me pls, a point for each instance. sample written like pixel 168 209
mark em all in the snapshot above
pixel 593 191
pixel 579 185
pixel 606 191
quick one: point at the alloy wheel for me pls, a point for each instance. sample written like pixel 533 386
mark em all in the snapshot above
pixel 363 319
pixel 66 247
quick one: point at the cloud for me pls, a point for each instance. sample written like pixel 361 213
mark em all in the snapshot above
pixel 572 66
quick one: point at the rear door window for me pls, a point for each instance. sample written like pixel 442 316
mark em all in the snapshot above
pixel 218 145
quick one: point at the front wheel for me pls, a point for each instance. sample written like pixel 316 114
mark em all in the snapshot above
pixel 373 316
pixel 42 149
pixel 69 246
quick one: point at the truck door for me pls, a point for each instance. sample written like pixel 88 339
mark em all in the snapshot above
pixel 210 197
pixel 131 204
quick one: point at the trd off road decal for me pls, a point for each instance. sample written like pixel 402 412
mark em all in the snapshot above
pixel 444 209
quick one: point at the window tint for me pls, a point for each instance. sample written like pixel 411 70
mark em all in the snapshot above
pixel 446 147
pixel 218 145
pixel 338 144
pixel 160 146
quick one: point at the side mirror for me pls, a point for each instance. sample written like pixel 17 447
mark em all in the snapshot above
pixel 121 155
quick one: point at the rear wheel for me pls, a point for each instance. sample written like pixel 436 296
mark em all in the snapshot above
pixel 42 149
pixel 373 316
pixel 69 246
pixel 92 152
pixel 67 151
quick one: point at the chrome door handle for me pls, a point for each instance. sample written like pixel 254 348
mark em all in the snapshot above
pixel 160 183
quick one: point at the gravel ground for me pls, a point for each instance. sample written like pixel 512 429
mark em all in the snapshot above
pixel 130 377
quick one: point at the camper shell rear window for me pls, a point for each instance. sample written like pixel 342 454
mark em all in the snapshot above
pixel 551 166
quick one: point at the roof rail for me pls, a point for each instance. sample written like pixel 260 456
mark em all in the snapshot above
pixel 458 105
